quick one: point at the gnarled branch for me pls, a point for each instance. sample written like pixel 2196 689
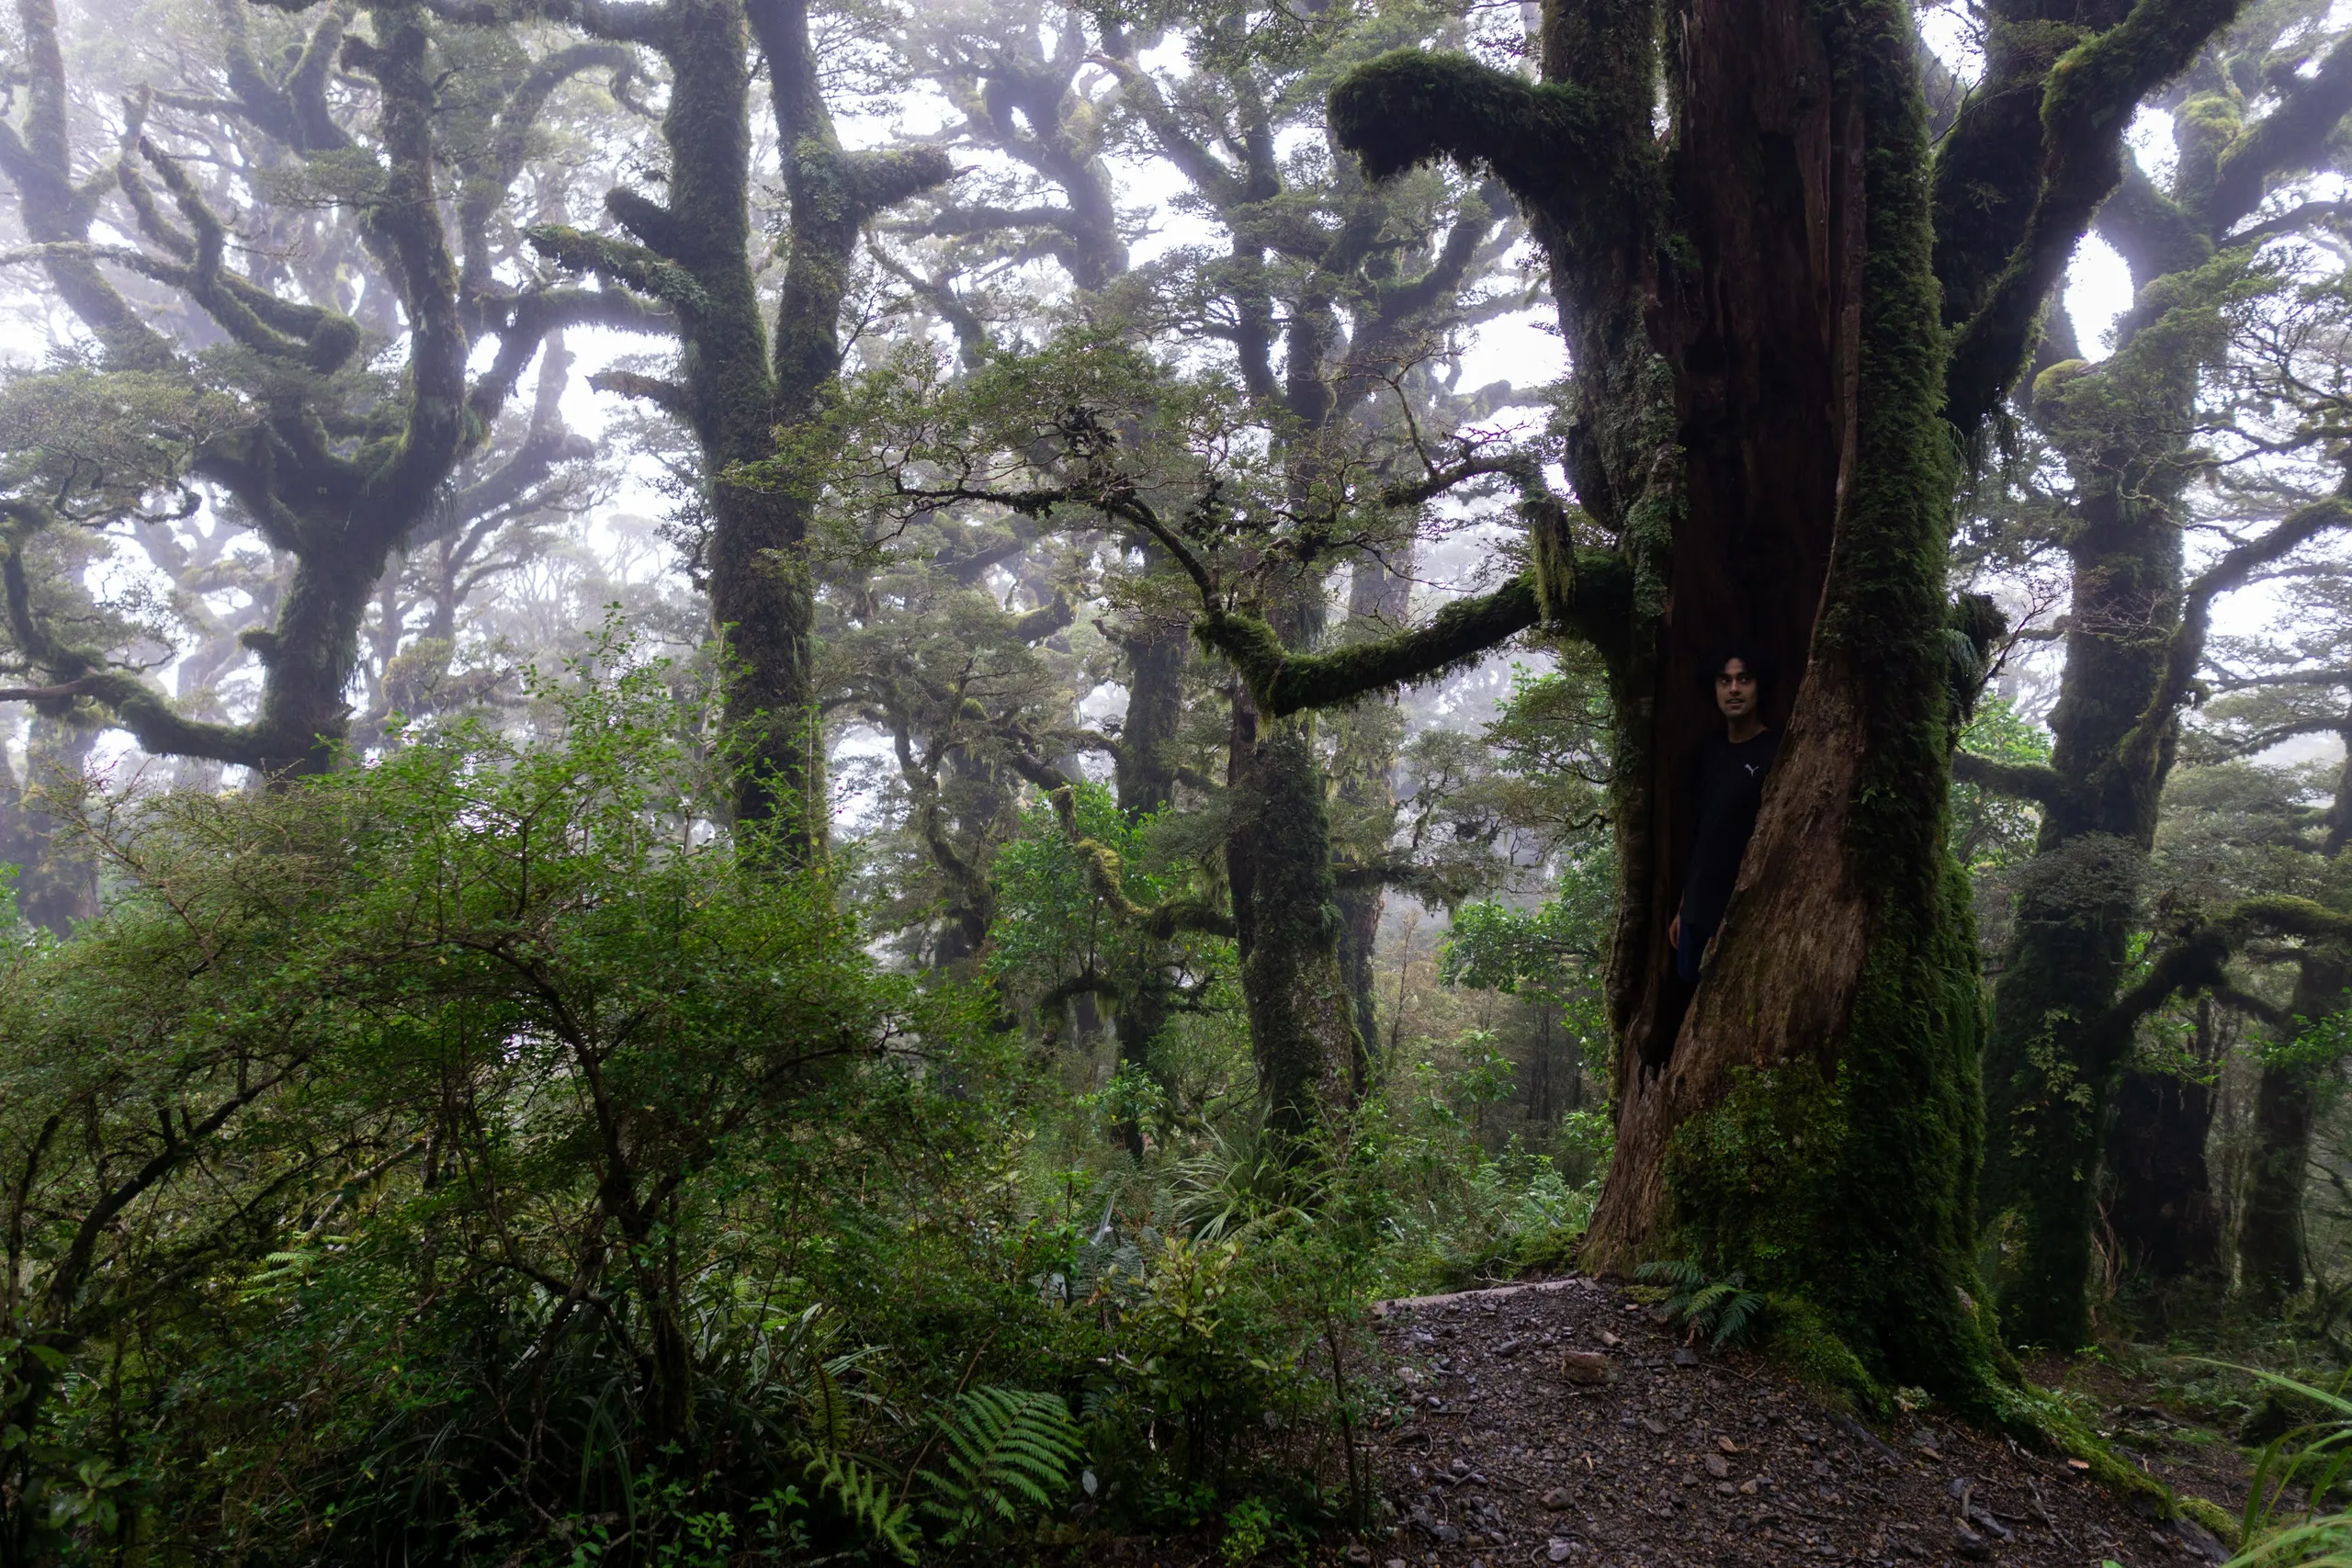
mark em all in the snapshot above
pixel 2086 105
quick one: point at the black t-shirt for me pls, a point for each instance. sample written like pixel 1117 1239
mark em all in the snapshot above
pixel 1730 787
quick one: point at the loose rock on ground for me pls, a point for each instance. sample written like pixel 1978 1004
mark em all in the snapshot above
pixel 1562 1422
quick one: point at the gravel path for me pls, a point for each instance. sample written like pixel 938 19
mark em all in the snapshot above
pixel 1558 1423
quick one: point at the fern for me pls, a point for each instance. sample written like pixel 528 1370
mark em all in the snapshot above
pixel 863 1494
pixel 826 1407
pixel 1725 1310
pixel 1004 1447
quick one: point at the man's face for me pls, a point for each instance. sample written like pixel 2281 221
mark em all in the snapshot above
pixel 1735 689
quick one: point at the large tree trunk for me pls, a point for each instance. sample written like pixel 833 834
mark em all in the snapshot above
pixel 1783 465
pixel 1812 1115
pixel 2128 430
pixel 1760 342
pixel 1302 1020
pixel 2050 1074
pixel 1379 601
pixel 309 656
pixel 1146 779
pixel 2271 1253
pixel 1278 863
pixel 752 397
pixel 1146 767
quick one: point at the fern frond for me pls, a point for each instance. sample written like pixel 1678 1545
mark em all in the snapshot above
pixel 828 1408
pixel 1740 1313
pixel 1003 1448
pixel 863 1494
pixel 1678 1273
pixel 1709 1299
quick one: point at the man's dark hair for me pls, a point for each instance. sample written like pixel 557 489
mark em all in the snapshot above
pixel 1758 662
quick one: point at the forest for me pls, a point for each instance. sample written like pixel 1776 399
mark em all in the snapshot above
pixel 954 781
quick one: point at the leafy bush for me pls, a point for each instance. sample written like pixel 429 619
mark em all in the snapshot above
pixel 2311 1458
pixel 524 1176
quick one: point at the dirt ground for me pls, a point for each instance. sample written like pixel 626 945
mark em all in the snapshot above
pixel 1497 1452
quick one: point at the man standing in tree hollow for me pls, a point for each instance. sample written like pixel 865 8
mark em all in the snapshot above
pixel 1729 776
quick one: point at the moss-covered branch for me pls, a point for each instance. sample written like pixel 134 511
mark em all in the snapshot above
pixel 667 396
pixel 39 164
pixel 2150 229
pixel 1548 144
pixel 2279 915
pixel 2020 781
pixel 2261 741
pixel 2085 106
pixel 632 266
pixel 621 21
pixel 1285 683
pixel 1162 920
pixel 1431 884
pixel 2186 650
pixel 81 674
pixel 2289 137
pixel 532 317
pixel 2194 964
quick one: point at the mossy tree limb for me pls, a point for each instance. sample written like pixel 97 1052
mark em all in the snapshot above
pixel 1283 682
pixel 2088 98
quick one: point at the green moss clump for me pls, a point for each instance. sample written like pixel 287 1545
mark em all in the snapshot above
pixel 1410 108
pixel 2212 1516
pixel 2038 1416
pixel 1804 1343
pixel 1745 1178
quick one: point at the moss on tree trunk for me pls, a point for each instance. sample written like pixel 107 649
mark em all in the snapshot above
pixel 1278 855
pixel 1814 1119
